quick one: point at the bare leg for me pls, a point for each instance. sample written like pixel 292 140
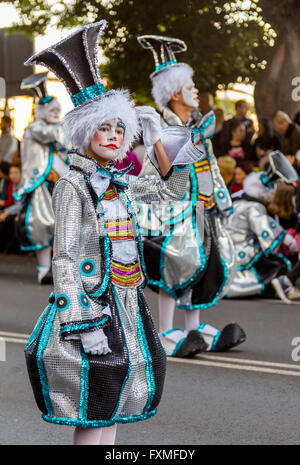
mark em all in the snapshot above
pixel 86 436
pixel 108 436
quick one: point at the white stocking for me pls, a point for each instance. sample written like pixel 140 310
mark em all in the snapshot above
pixel 44 257
pixel 108 436
pixel 192 319
pixel 166 307
pixel 86 436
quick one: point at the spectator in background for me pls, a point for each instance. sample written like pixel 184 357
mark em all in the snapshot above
pixel 227 166
pixel 289 131
pixel 9 214
pixel 217 138
pixel 206 102
pixel 8 143
pixel 265 142
pixel 297 118
pixel 241 110
pixel 242 170
pixel 4 182
pixel 236 146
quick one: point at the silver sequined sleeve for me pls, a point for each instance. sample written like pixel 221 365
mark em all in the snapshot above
pixel 68 287
pixel 174 186
pixel 266 229
pixel 46 133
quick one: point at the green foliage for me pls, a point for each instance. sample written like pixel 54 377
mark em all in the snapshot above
pixel 225 41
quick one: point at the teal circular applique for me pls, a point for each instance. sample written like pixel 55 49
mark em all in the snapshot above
pixel 265 234
pixel 88 267
pixel 62 302
pixel 84 300
pixel 221 194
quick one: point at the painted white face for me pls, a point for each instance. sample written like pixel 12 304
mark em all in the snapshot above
pixel 53 114
pixel 190 93
pixel 108 140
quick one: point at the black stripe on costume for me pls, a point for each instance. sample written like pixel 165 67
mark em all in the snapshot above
pixel 33 372
pixel 152 250
pixel 270 267
pixel 21 232
pixel 108 372
pixel 207 287
pixel 159 359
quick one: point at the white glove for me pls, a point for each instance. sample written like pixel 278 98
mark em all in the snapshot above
pixel 150 121
pixel 95 342
pixel 290 242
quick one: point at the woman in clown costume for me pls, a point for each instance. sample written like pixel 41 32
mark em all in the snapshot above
pixel 94 358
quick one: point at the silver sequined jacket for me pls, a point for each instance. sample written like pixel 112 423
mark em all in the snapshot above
pixel 81 261
pixel 254 234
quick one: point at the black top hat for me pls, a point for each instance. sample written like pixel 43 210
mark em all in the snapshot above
pixel 74 61
pixel 36 84
pixel 163 49
pixel 278 168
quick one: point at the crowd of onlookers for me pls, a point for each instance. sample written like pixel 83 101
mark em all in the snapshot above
pixel 238 146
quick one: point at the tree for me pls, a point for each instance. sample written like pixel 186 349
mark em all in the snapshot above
pixel 220 49
pixel 274 88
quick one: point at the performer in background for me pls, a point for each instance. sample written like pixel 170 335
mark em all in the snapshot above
pixel 94 358
pixel 44 156
pixel 256 235
pixel 189 255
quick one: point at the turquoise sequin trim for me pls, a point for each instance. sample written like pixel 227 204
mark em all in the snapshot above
pixel 286 261
pixel 97 424
pixel 216 338
pixel 161 283
pixel 88 93
pixel 36 330
pixel 41 179
pixel 148 359
pixel 84 385
pixel 33 246
pixel 83 326
pixel 216 298
pixel 45 100
pixel 177 347
pixel 165 64
pixel 40 363
pixel 181 168
pixel 127 350
pixel 260 253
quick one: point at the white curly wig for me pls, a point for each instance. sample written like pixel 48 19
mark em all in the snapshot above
pixel 82 123
pixel 168 82
pixel 41 110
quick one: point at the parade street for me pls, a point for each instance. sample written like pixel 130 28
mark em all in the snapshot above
pixel 245 396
